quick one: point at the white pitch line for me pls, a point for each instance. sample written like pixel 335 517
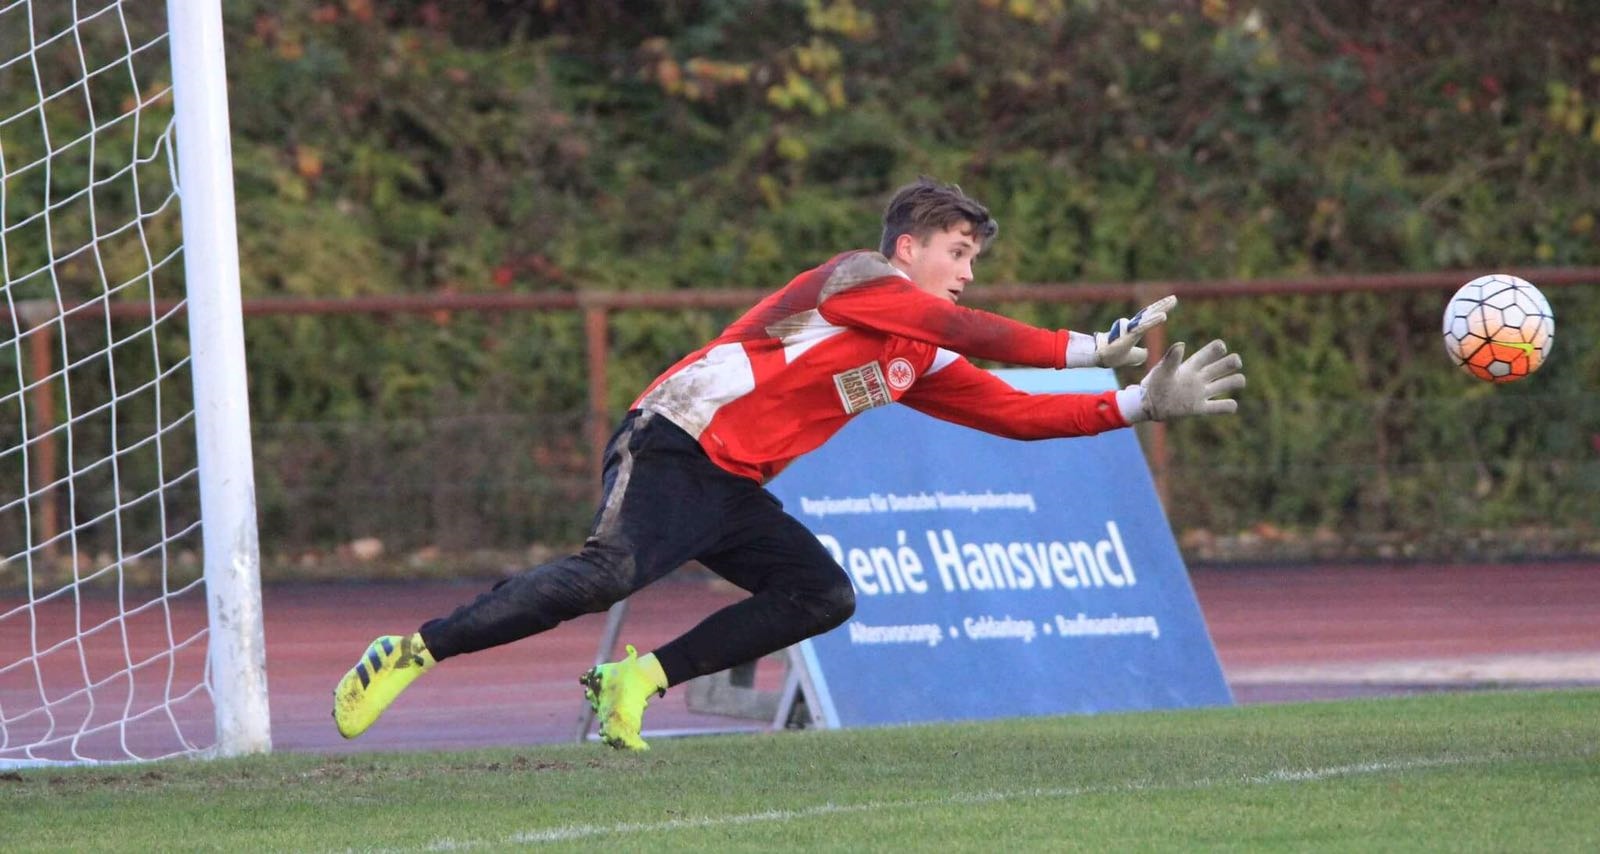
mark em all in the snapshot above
pixel 566 833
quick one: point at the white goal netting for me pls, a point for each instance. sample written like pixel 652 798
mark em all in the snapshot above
pixel 103 622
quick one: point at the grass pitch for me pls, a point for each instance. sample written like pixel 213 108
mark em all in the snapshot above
pixel 1480 772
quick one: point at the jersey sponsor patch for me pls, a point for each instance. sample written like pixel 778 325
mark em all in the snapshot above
pixel 862 388
pixel 901 374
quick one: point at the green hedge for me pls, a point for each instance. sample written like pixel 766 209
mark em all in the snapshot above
pixel 426 147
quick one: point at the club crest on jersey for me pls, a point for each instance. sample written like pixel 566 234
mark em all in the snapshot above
pixel 901 374
pixel 863 388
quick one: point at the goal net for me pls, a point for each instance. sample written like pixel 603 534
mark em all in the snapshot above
pixel 129 593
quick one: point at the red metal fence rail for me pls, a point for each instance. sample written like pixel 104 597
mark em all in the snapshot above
pixel 35 319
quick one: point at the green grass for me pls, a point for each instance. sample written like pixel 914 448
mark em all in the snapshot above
pixel 1457 772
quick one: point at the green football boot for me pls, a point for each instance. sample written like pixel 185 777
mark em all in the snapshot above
pixel 389 665
pixel 618 692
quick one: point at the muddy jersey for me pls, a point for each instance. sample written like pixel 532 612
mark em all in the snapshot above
pixel 848 336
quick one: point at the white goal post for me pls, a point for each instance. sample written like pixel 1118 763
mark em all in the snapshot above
pixel 130 599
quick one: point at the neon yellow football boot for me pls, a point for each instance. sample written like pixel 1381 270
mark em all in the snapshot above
pixel 618 692
pixel 388 666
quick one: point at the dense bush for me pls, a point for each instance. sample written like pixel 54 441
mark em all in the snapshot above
pixel 429 147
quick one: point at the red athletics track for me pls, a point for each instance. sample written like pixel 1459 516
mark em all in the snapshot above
pixel 1282 634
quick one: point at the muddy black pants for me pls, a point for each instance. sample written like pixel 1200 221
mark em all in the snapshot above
pixel 664 504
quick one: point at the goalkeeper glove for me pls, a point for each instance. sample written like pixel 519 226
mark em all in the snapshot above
pixel 1118 347
pixel 1177 387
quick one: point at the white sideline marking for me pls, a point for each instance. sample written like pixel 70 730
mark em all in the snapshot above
pixel 566 833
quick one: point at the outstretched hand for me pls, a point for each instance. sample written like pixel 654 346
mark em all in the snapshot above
pixel 1178 387
pixel 1118 347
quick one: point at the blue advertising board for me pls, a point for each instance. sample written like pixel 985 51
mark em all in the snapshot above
pixel 998 578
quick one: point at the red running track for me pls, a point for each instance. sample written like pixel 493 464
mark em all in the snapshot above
pixel 1281 634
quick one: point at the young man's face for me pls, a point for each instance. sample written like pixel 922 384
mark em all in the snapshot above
pixel 941 266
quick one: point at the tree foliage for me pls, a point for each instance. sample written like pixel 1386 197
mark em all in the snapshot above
pixel 422 147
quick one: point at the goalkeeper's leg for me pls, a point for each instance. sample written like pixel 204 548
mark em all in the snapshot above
pixel 797 591
pixel 526 604
pixel 653 517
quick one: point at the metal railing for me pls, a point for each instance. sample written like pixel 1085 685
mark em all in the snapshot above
pixel 36 321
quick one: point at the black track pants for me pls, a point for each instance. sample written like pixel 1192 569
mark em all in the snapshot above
pixel 665 503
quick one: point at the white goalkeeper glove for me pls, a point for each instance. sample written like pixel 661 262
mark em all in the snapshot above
pixel 1177 387
pixel 1118 347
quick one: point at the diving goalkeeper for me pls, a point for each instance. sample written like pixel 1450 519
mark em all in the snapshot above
pixel 684 473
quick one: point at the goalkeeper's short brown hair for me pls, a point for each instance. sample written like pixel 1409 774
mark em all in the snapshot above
pixel 926 206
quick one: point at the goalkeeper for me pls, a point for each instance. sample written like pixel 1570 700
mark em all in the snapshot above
pixel 684 473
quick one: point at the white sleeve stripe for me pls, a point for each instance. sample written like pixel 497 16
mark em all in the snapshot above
pixel 941 359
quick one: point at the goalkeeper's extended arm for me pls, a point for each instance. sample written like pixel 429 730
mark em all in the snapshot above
pixel 1118 347
pixel 1177 387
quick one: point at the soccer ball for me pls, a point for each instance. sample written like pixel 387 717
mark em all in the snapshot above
pixel 1498 328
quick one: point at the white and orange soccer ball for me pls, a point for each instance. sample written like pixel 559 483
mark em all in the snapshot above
pixel 1498 328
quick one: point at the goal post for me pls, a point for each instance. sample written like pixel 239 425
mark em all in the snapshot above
pixel 130 601
pixel 236 660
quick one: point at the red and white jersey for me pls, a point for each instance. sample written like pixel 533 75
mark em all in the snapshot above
pixel 848 336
